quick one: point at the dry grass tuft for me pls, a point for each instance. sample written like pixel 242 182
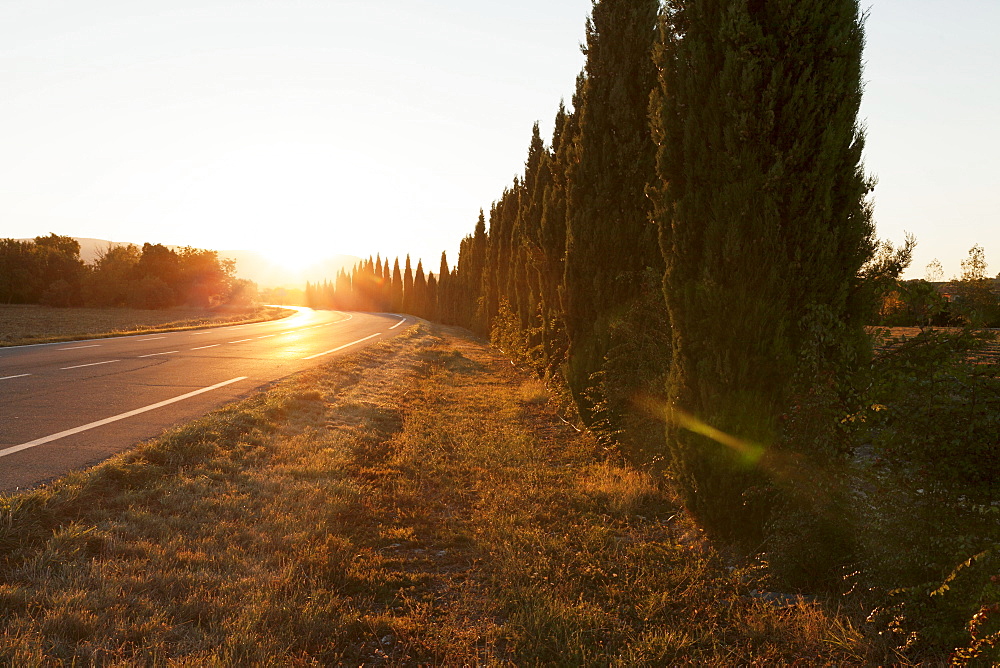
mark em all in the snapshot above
pixel 533 391
pixel 402 506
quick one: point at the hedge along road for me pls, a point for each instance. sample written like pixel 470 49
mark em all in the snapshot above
pixel 67 405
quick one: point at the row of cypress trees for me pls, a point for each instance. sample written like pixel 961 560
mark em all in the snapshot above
pixel 371 286
pixel 689 247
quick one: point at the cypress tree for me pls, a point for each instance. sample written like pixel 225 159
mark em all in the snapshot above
pixel 431 299
pixel 469 276
pixel 764 226
pixel 443 302
pixel 344 299
pixel 418 303
pixel 396 291
pixel 408 288
pixel 386 286
pixel 377 287
pixel 610 240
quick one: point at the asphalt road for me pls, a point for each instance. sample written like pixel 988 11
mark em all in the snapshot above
pixel 64 406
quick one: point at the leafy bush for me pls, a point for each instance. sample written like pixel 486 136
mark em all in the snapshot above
pixel 937 409
pixel 927 500
pixel 628 393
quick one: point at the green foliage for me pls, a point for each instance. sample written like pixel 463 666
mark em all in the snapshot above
pixel 977 298
pixel 927 506
pixel 609 240
pixel 628 392
pixel 508 336
pixel 915 303
pixel 49 271
pixel 763 218
pixel 938 411
pixel 45 270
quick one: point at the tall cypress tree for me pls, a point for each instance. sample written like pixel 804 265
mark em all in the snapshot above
pixel 386 293
pixel 431 298
pixel 610 240
pixel 444 310
pixel 418 303
pixel 469 281
pixel 764 226
pixel 345 299
pixel 396 291
pixel 408 288
pixel 377 287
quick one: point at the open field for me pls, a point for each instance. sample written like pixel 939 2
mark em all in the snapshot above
pixel 991 353
pixel 26 324
pixel 418 503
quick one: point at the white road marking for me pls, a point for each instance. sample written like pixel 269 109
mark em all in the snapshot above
pixel 169 352
pixel 200 333
pixel 155 338
pixel 241 341
pixel 398 324
pixel 266 336
pixel 96 345
pixel 214 345
pixel 346 345
pixel 100 423
pixel 80 366
pixel 20 375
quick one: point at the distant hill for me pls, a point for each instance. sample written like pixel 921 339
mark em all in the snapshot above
pixel 251 265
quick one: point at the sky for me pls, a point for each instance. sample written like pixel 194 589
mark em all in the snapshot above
pixel 303 128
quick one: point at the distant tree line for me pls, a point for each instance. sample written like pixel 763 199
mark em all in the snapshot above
pixel 970 299
pixel 371 286
pixel 48 270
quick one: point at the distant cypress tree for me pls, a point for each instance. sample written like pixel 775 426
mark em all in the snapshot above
pixel 418 303
pixel 386 286
pixel 610 240
pixel 431 298
pixel 408 288
pixel 764 226
pixel 344 297
pixel 396 291
pixel 328 294
pixel 468 283
pixel 311 300
pixel 443 300
pixel 377 287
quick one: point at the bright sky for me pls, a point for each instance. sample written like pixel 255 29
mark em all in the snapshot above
pixel 356 127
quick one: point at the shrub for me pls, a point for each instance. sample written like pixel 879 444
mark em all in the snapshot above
pixel 938 409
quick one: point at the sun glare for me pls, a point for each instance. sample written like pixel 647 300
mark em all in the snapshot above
pixel 293 256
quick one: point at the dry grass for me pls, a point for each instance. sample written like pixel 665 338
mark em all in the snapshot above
pixel 20 325
pixel 533 391
pixel 403 506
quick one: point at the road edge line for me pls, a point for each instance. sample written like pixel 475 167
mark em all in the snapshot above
pixel 346 345
pixel 100 423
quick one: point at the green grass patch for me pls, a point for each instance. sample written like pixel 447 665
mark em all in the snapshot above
pixel 414 504
pixel 29 324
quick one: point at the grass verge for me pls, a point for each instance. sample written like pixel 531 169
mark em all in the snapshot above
pixel 30 324
pixel 416 503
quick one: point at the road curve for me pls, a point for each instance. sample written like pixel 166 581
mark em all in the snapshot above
pixel 68 405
